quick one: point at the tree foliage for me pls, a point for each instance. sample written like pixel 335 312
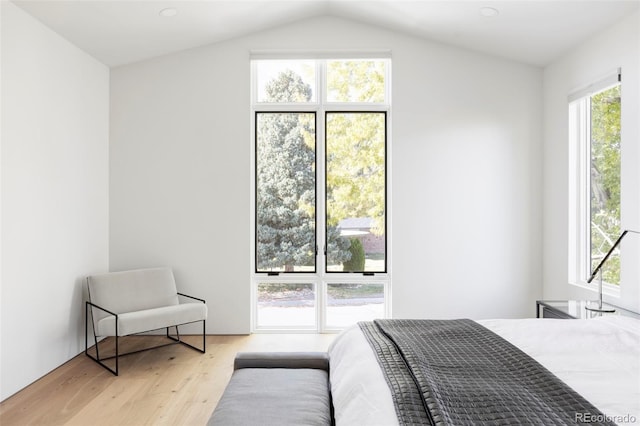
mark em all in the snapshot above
pixel 356 81
pixel 356 262
pixel 337 246
pixel 356 167
pixel 605 178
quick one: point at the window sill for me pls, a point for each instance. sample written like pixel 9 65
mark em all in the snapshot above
pixel 607 289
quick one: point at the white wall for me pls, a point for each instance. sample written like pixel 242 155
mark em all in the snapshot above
pixel 54 195
pixel 466 184
pixel 465 172
pixel 619 46
pixel 179 175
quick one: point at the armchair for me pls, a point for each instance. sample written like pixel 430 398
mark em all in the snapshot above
pixel 132 302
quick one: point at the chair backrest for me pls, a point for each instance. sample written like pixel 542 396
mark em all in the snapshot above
pixel 136 290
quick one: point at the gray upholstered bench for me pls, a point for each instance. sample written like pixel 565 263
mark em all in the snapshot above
pixel 276 388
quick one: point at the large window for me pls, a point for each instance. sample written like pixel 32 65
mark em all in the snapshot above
pixel 320 156
pixel 595 138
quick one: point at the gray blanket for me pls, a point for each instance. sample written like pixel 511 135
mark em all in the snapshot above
pixel 457 372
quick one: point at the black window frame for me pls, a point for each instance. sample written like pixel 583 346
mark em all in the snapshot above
pixel 315 189
pixel 386 180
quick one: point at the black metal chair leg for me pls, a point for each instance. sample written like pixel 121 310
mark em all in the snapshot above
pixel 97 346
pixel 179 340
pixel 117 355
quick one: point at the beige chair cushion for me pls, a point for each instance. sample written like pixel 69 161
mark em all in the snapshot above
pixel 152 319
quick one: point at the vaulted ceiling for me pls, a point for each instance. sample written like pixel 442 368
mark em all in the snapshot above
pixel 535 32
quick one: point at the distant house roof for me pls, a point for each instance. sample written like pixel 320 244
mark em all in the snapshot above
pixel 356 223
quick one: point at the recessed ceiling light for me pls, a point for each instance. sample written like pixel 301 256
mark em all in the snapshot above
pixel 489 11
pixel 169 12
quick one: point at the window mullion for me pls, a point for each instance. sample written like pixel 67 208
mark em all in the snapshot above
pixel 587 247
pixel 321 72
pixel 321 198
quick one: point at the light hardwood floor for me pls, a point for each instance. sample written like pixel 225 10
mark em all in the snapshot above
pixel 173 385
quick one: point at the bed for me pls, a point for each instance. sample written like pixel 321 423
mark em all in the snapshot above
pixel 593 369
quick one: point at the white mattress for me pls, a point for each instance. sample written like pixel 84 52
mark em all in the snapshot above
pixel 599 358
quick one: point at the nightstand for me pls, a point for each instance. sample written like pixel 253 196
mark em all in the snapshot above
pixel 575 309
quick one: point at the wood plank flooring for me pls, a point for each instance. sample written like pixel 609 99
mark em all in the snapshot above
pixel 173 385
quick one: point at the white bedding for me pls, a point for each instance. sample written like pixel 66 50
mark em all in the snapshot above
pixel 599 358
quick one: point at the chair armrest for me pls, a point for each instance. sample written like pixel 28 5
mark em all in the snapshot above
pixel 317 360
pixel 93 305
pixel 191 297
pixel 101 308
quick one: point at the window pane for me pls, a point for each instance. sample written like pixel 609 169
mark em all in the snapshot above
pixel 605 180
pixel 286 81
pixel 356 81
pixel 284 305
pixel 285 192
pixel 350 303
pixel 356 191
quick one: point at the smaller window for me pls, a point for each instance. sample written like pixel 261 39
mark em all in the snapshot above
pixel 348 303
pixel 275 78
pixel 356 80
pixel 595 140
pixel 282 304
